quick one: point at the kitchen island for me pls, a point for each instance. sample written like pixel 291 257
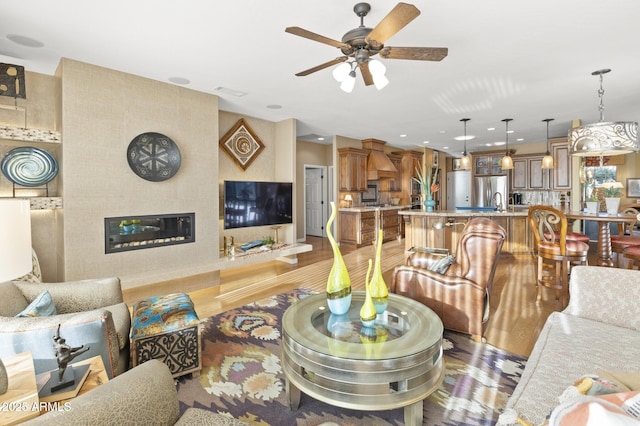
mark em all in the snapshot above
pixel 442 228
pixel 358 225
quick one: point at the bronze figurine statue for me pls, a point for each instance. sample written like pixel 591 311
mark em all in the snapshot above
pixel 65 353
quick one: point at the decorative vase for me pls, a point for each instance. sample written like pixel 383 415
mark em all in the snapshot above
pixel 338 283
pixel 377 286
pixel 368 310
pixel 613 204
pixel 592 207
pixel 4 379
pixel 429 204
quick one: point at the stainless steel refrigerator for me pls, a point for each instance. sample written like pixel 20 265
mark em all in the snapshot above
pixel 458 189
pixel 484 188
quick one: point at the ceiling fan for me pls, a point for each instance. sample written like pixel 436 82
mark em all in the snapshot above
pixel 362 43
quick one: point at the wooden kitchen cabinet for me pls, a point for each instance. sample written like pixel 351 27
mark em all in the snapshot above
pixel 488 165
pixel 528 174
pixel 561 164
pixel 353 169
pixel 390 224
pixel 357 227
pixel 409 160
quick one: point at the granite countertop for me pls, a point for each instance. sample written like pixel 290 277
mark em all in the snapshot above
pixel 372 208
pixel 464 213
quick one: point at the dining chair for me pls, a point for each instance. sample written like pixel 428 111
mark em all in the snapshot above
pixel 632 253
pixel 555 251
pixel 626 236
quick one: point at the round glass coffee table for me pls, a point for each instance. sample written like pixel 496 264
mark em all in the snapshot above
pixel 335 359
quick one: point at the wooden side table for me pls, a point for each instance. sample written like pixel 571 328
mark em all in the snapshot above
pixel 97 376
pixel 20 403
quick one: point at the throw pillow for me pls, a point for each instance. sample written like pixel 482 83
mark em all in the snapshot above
pixel 442 265
pixel 42 306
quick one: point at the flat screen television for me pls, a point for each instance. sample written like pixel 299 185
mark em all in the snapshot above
pixel 250 203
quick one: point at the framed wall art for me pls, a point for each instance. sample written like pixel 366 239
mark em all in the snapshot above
pixel 242 144
pixel 633 187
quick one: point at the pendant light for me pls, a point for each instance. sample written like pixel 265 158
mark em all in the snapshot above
pixel 465 161
pixel 547 161
pixel 507 161
pixel 604 138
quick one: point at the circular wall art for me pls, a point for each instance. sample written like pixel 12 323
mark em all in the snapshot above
pixel 153 156
pixel 29 166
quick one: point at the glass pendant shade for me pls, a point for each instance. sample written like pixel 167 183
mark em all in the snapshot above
pixel 465 161
pixel 507 161
pixel 378 71
pixel 604 138
pixel 547 160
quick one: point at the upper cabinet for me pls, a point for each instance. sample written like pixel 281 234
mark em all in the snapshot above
pixel 562 164
pixel 488 165
pixel 353 169
pixel 528 174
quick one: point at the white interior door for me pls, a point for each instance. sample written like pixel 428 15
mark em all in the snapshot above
pixel 314 196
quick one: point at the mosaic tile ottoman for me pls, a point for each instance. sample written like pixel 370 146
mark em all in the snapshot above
pixel 167 328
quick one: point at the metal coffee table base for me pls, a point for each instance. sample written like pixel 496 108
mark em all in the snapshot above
pixel 369 385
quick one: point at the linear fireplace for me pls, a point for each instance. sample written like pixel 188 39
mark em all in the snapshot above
pixel 139 232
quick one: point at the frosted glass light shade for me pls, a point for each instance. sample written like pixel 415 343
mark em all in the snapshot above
pixel 341 72
pixel 465 162
pixel 15 244
pixel 604 138
pixel 547 161
pixel 507 162
pixel 348 84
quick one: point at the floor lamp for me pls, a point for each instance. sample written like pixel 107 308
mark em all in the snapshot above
pixel 15 250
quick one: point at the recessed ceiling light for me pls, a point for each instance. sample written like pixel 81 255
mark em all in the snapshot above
pixel 445 147
pixel 403 135
pixel 24 41
pixel 488 144
pixel 491 128
pixel 179 80
pixel 425 142
pixel 463 138
pixel 520 139
pixel 499 143
pixel 509 131
pixel 442 131
pixel 320 138
pixel 274 106
pixel 226 91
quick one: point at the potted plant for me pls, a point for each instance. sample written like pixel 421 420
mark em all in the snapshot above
pixel 593 203
pixel 427 181
pixel 612 192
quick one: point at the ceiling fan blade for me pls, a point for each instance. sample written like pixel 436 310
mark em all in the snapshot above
pixel 415 53
pixel 322 66
pixel 315 37
pixel 395 20
pixel 366 74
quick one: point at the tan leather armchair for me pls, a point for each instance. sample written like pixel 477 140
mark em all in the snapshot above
pixel 460 295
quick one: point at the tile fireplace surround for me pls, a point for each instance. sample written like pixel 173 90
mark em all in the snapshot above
pixel 126 233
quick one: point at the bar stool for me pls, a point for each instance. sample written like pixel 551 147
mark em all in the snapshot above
pixel 554 252
pixel 633 254
pixel 626 237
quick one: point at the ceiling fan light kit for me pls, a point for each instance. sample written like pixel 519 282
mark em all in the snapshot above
pixel 360 44
pixel 507 161
pixel 604 138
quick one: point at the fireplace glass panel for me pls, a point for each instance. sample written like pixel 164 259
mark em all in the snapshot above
pixel 139 232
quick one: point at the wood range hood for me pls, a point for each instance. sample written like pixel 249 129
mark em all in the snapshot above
pixel 379 166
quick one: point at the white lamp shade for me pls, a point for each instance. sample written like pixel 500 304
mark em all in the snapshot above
pixel 378 71
pixel 15 240
pixel 348 84
pixel 341 72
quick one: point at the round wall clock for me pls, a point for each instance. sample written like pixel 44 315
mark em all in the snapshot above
pixel 153 156
pixel 29 166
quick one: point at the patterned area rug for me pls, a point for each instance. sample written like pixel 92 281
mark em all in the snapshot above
pixel 242 376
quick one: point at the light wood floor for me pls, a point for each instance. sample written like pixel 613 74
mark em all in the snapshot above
pixel 516 318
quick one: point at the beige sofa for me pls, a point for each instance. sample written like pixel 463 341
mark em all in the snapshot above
pixel 144 395
pixel 598 330
pixel 90 312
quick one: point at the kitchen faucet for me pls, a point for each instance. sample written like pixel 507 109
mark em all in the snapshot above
pixel 498 204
